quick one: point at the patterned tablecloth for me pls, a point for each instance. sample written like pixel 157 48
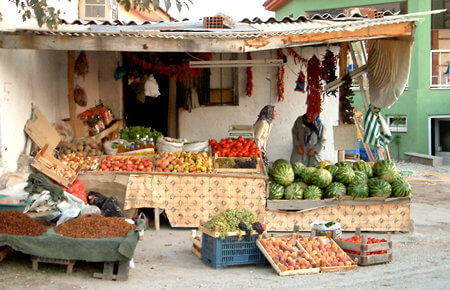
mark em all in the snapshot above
pixel 187 200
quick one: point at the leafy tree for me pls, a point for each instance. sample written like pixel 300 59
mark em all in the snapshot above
pixel 47 15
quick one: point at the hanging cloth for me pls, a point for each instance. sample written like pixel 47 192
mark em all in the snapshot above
pixel 388 66
pixel 151 87
pixel 376 131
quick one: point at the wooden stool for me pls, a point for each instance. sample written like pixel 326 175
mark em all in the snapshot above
pixel 123 269
pixel 35 262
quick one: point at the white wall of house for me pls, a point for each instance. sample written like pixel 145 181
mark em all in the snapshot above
pixel 213 122
pixel 26 77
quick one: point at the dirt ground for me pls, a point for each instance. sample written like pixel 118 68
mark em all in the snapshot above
pixel 164 261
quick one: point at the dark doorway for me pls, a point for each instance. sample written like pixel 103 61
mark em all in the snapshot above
pixel 153 112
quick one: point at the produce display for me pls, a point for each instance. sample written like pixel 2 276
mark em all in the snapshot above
pixel 184 162
pixel 325 252
pixel 357 240
pixel 338 180
pixel 94 227
pixel 79 160
pixel 239 147
pixel 238 162
pixel 88 147
pixel 231 220
pixel 287 255
pixel 116 163
pixel 13 222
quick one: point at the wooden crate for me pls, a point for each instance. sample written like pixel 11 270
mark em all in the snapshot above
pixel 152 158
pixel 46 163
pixel 196 244
pixel 364 248
pixel 260 169
pixel 325 269
pixel 275 266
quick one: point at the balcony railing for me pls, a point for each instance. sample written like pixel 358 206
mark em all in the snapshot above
pixel 440 69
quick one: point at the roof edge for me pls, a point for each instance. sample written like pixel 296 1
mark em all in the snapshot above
pixel 274 5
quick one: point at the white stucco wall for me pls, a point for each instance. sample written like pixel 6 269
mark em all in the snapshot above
pixel 213 122
pixel 26 77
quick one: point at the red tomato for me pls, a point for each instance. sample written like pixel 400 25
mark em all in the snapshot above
pixel 229 140
pixel 213 142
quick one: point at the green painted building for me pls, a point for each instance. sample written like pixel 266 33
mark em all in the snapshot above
pixel 421 116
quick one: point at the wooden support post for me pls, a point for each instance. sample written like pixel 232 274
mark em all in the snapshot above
pixel 342 71
pixel 172 110
pixel 157 213
pixel 122 271
pixel 108 270
pixel 70 86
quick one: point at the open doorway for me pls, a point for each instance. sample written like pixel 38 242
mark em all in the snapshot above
pixel 144 110
pixel 440 137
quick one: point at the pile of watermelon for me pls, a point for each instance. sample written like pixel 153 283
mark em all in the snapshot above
pixel 295 181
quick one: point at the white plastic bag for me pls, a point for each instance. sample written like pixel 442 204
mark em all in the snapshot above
pixel 322 227
pixel 109 150
pixel 70 213
pixel 167 144
pixel 15 191
pixel 90 209
pixel 151 87
pixel 196 147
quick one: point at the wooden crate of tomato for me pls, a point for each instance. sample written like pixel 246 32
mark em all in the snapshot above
pixel 238 147
pixel 368 250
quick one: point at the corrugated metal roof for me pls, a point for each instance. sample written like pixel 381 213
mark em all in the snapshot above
pixel 194 29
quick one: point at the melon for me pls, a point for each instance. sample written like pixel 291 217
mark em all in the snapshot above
pixel 360 177
pixel 283 174
pixel 380 188
pixel 344 175
pixel 335 190
pixel 298 167
pixel 293 191
pixel 276 191
pixel 363 166
pixel 312 192
pixel 306 174
pixel 332 169
pixel 321 178
pixel 279 162
pixel 401 187
pixel 358 189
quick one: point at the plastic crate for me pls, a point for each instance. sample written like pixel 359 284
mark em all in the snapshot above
pixel 364 156
pixel 219 253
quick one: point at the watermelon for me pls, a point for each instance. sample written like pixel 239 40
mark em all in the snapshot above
pixel 302 184
pixel 335 190
pixel 293 191
pixel 342 164
pixel 298 167
pixel 306 174
pixel 321 178
pixel 344 175
pixel 276 191
pixel 358 189
pixel 363 166
pixel 332 169
pixel 379 187
pixel 382 164
pixel 279 162
pixel 401 187
pixel 389 174
pixel 312 192
pixel 283 174
pixel 360 177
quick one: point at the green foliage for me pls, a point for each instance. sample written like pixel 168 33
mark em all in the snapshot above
pixel 49 16
pixel 130 133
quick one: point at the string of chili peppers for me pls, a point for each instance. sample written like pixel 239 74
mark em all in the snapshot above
pixel 346 101
pixel 181 71
pixel 297 58
pixel 249 89
pixel 280 78
pixel 314 88
pixel 329 69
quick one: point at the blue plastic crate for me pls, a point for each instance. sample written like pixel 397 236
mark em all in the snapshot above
pixel 219 253
pixel 364 156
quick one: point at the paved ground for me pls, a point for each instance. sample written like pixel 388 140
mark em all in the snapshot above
pixel 164 261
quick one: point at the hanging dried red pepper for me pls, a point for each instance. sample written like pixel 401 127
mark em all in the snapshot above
pixel 329 69
pixel 346 101
pixel 313 89
pixel 249 89
pixel 280 78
